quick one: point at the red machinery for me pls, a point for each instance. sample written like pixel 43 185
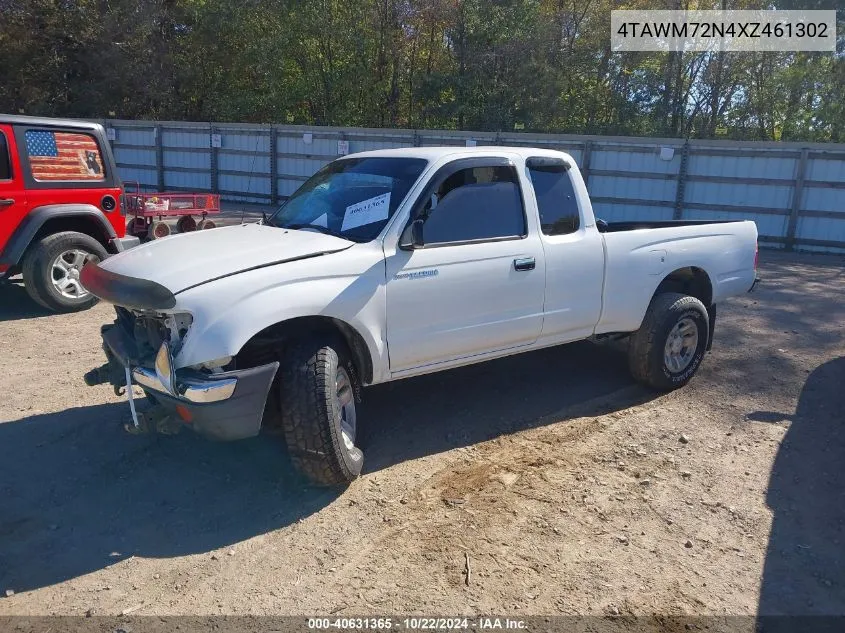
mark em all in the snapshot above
pixel 148 211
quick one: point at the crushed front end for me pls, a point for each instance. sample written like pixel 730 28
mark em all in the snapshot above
pixel 217 399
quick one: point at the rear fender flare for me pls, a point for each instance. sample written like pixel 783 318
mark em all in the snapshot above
pixel 33 222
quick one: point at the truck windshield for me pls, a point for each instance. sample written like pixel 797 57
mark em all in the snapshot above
pixel 352 198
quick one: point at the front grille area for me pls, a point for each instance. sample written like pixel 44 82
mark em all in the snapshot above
pixel 148 332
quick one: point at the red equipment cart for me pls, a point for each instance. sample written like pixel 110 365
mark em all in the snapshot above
pixel 148 210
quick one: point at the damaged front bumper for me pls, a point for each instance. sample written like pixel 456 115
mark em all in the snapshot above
pixel 222 406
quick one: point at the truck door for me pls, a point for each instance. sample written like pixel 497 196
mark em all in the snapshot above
pixel 13 203
pixel 476 284
pixel 573 250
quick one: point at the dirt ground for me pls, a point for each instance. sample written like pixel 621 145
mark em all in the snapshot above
pixel 567 487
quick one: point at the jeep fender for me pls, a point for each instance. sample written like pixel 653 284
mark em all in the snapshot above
pixel 38 217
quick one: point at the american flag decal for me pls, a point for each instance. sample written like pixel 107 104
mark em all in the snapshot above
pixel 63 156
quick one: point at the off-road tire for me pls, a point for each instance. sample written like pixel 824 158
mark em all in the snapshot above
pixel 646 347
pixel 37 269
pixel 309 411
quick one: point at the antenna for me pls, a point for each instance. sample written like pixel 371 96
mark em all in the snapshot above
pixel 251 170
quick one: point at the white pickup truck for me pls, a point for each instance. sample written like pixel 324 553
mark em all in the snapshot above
pixel 396 263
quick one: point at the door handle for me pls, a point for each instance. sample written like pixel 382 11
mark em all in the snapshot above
pixel 524 263
pixel 6 202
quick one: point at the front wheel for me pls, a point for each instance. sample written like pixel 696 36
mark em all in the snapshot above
pixel 317 386
pixel 51 270
pixel 668 348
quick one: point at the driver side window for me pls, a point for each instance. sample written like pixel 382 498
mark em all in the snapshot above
pixel 477 203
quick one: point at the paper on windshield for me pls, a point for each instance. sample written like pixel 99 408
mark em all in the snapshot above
pixel 366 212
pixel 323 221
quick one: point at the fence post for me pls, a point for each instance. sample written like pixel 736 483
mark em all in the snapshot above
pixel 274 166
pixel 682 181
pixel 797 194
pixel 214 160
pixel 417 138
pixel 159 144
pixel 586 156
pixel 107 125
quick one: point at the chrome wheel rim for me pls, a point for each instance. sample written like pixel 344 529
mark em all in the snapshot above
pixel 345 400
pixel 681 345
pixel 64 272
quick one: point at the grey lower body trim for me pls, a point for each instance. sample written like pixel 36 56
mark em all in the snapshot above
pixel 235 418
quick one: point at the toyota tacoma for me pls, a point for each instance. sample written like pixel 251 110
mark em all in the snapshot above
pixel 396 263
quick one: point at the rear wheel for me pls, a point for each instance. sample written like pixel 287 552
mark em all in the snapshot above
pixel 51 270
pixel 206 224
pixel 668 348
pixel 319 421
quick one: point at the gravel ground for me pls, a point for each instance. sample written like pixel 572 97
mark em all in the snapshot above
pixel 568 488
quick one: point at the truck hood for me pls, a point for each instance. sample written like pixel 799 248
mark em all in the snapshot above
pixel 183 261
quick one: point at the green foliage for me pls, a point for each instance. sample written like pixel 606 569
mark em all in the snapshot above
pixel 537 65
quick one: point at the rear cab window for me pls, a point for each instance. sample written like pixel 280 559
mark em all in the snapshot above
pixel 556 199
pixel 5 158
pixel 58 156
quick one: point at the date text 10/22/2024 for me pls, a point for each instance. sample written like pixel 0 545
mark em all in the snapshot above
pixel 417 624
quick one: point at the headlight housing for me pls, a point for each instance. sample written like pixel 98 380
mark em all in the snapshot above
pixel 213 366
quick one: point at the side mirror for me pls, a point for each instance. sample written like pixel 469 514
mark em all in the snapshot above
pixel 412 236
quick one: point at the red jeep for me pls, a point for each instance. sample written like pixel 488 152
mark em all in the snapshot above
pixel 60 201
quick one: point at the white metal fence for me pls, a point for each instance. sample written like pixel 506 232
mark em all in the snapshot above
pixel 794 192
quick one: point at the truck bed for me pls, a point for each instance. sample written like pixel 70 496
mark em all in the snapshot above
pixel 636 261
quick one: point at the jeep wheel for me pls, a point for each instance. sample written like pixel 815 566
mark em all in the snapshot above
pixel 51 270
pixel 317 401
pixel 668 348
